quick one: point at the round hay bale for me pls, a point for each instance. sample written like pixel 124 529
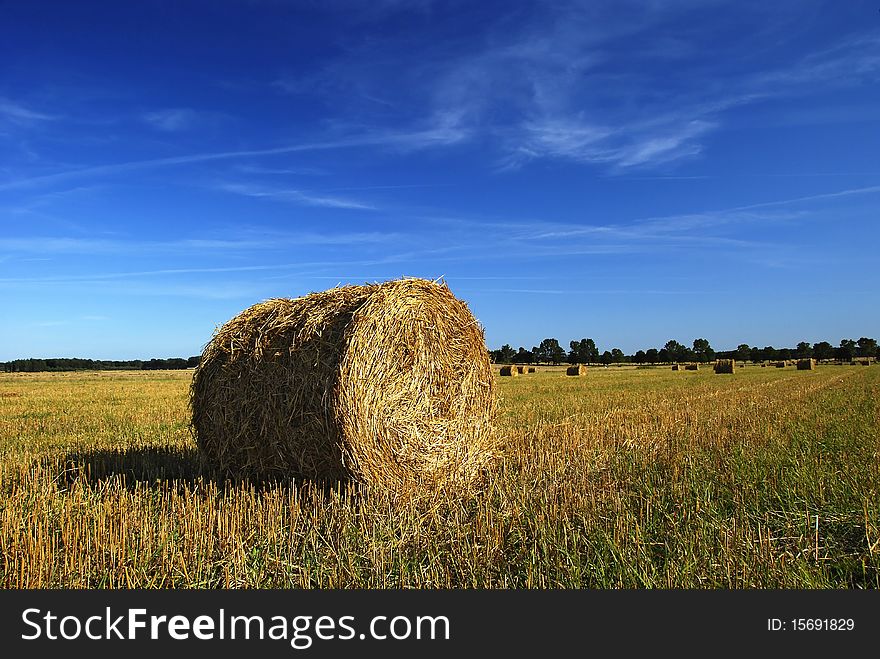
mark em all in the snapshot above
pixel 384 384
pixel 522 370
pixel 725 366
pixel 509 371
pixel 531 369
pixel 579 369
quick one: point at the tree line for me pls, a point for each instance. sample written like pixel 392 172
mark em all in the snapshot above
pixel 76 364
pixel 586 352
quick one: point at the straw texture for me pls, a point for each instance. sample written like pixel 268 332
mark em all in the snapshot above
pixel 725 366
pixel 384 384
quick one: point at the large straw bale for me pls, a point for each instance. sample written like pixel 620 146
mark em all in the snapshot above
pixel 509 371
pixel 384 384
pixel 725 366
pixel 578 369
pixel 806 364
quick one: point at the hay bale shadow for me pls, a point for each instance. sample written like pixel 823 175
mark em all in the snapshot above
pixel 165 469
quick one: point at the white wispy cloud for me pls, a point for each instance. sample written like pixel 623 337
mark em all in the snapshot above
pixel 397 140
pixel 171 119
pixel 623 85
pixel 297 196
pixel 18 113
pixel 273 242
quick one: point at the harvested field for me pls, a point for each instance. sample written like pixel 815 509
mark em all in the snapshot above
pixel 624 479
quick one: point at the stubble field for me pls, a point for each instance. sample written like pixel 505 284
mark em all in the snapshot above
pixel 768 478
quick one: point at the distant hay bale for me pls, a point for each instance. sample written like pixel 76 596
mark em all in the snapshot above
pixel 509 371
pixel 780 364
pixel 806 364
pixel 578 369
pixel 386 384
pixel 692 367
pixel 725 366
pixel 677 367
pixel 531 369
pixel 522 370
pixel 865 362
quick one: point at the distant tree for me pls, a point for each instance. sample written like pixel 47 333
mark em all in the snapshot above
pixel 583 352
pixel 524 356
pixel 605 358
pixel 703 351
pixel 770 353
pixel 804 350
pixel 677 352
pixel 743 352
pixel 550 351
pixel 823 350
pixel 784 353
pixel 617 356
pixel 652 356
pixel 505 354
pixel 640 357
pixel 847 350
pixel 867 347
pixel 557 354
pixel 663 355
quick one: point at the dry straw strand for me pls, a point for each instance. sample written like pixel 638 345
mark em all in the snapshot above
pixel 386 384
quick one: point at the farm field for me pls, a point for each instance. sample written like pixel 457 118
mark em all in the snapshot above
pixel 769 478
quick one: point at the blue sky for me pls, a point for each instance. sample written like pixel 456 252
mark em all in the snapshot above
pixel 627 171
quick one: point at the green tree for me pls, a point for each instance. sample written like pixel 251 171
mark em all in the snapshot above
pixel 550 351
pixel 804 350
pixel 506 354
pixel 847 350
pixel 652 356
pixel 823 350
pixel 640 357
pixel 703 351
pixel 677 352
pixel 605 358
pixel 585 351
pixel 743 352
pixel 867 347
pixel 617 356
pixel 524 356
